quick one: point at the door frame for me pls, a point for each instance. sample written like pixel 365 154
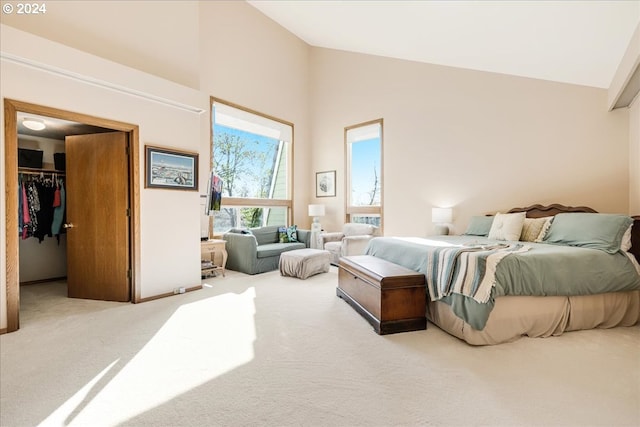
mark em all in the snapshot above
pixel 11 109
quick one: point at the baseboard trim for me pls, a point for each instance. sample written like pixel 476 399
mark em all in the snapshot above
pixel 3 331
pixel 168 294
pixel 35 282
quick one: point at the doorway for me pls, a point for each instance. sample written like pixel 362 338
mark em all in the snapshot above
pixel 11 110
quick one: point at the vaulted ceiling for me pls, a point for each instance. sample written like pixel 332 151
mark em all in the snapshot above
pixel 579 42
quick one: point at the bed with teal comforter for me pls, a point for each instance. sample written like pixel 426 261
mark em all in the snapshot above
pixel 541 270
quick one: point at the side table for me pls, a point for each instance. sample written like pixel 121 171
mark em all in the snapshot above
pixel 213 250
pixel 316 240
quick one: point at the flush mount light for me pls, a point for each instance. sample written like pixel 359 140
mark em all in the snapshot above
pixel 33 124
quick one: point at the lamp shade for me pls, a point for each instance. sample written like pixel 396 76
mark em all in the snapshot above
pixel 316 210
pixel 441 215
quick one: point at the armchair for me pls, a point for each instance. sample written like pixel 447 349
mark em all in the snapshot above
pixel 352 240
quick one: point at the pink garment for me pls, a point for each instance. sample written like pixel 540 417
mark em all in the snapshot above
pixel 56 198
pixel 25 203
pixel 25 212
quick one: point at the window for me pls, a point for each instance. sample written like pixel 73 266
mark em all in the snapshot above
pixel 251 153
pixel 363 144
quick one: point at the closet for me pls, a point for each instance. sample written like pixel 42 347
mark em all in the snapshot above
pixel 41 210
pixel 99 262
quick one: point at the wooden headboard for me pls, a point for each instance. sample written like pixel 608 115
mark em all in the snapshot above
pixel 635 237
pixel 538 211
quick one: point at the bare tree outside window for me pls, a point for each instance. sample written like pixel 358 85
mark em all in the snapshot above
pixel 250 153
pixel 363 146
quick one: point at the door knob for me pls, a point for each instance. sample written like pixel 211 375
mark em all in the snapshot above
pixel 70 225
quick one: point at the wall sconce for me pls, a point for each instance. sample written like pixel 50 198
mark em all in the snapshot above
pixel 441 217
pixel 316 211
pixel 33 124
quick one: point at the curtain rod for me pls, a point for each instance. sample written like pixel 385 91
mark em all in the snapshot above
pixel 97 82
pixel 35 171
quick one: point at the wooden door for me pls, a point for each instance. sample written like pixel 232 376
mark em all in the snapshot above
pixel 97 222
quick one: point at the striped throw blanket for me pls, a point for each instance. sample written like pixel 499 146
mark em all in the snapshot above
pixel 466 270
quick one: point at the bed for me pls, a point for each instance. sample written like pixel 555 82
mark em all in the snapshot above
pixel 569 269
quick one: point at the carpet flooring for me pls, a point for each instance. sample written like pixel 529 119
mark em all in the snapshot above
pixel 267 350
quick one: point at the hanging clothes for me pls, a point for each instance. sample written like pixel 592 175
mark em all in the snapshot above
pixel 46 192
pixel 31 211
pixel 56 195
pixel 20 214
pixel 59 210
pixel 41 206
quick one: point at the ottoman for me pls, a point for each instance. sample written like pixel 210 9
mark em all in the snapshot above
pixel 303 263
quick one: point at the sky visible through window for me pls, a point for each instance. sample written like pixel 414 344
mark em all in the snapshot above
pixel 255 168
pixel 365 157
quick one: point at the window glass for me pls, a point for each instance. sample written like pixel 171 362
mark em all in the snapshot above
pixel 251 154
pixel 366 219
pixel 364 173
pixel 247 217
pixel 249 164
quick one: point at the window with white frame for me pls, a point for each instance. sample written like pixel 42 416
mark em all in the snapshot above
pixel 251 153
pixel 363 145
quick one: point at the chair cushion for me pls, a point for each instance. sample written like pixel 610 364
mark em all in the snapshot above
pixel 275 249
pixel 355 229
pixel 334 248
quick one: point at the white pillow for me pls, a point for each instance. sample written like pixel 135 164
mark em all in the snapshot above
pixel 534 229
pixel 507 226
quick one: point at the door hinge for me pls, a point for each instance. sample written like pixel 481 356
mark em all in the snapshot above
pixel 129 274
pixel 128 212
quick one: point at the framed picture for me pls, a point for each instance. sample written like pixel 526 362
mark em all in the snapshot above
pixel 326 184
pixel 170 169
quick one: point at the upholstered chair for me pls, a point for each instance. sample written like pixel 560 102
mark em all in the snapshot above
pixel 352 240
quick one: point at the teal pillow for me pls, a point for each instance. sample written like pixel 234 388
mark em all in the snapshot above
pixel 283 237
pixel 479 226
pixel 589 230
pixel 292 233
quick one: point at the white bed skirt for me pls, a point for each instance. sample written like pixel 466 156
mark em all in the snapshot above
pixel 517 316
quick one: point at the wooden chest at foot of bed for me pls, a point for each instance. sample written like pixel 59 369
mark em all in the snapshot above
pixel 390 297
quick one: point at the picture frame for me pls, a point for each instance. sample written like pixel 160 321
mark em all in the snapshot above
pixel 170 169
pixel 326 184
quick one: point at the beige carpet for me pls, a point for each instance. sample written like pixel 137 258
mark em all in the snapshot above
pixel 273 351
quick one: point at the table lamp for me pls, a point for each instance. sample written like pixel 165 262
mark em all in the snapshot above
pixel 316 211
pixel 441 217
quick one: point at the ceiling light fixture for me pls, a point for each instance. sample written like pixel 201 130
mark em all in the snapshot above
pixel 34 124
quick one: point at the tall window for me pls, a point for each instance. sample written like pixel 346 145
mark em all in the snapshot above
pixel 251 153
pixel 364 172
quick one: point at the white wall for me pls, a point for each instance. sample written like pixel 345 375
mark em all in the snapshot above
pixel 480 142
pixel 159 37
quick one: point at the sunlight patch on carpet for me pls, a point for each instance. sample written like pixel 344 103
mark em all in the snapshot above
pixel 60 416
pixel 201 341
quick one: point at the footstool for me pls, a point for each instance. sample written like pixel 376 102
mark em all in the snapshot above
pixel 303 263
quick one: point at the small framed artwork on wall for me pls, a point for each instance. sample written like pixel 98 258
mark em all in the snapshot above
pixel 171 169
pixel 326 184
